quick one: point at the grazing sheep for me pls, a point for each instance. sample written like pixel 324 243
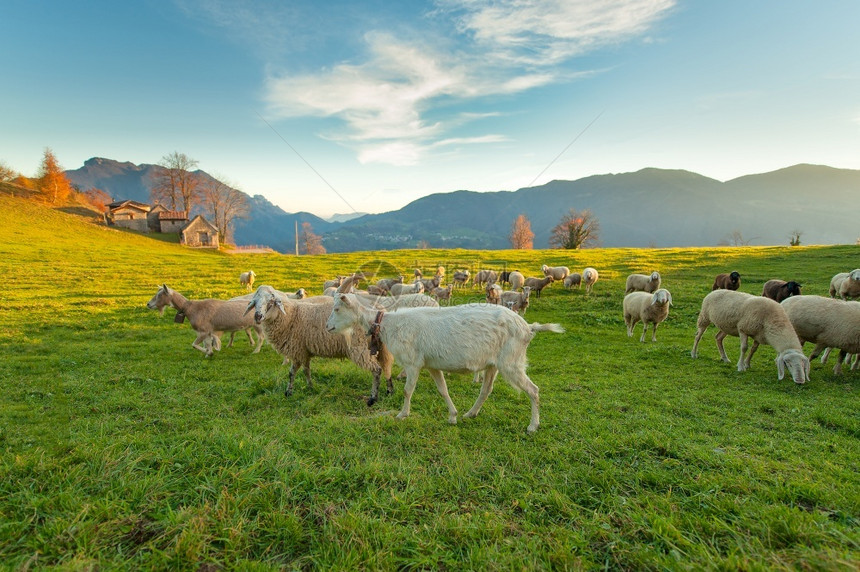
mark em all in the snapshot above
pixel 827 323
pixel 747 316
pixel 516 279
pixel 557 272
pixel 461 277
pixel 643 283
pixel 494 293
pixel 779 290
pixel 485 276
pixel 538 284
pixel 574 279
pixel 589 277
pixel 209 318
pixel 296 329
pixel 419 339
pixel 516 301
pixel 727 281
pixel 440 293
pixel 387 283
pixel 246 279
pixel 398 289
pixel 647 308
pixel 846 285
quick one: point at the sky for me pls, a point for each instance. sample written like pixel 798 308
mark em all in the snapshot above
pixel 341 106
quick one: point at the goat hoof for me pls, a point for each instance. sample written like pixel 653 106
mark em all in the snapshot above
pixel 371 401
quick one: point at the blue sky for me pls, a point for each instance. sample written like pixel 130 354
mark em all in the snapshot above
pixel 390 101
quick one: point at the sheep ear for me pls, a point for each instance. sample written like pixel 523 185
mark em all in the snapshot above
pixel 780 367
pixel 280 305
pixel 670 300
pixel 248 308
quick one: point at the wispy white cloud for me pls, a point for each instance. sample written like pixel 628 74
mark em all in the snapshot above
pixel 491 48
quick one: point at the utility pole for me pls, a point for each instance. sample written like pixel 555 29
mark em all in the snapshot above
pixel 297 237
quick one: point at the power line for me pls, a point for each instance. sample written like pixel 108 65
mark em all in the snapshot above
pixel 346 202
pixel 566 148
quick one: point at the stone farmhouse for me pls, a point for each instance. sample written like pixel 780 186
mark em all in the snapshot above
pixel 142 217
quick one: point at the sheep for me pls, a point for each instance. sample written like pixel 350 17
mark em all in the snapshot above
pixel 643 283
pixel 747 316
pixel 827 323
pixel 375 290
pixel 557 272
pixel 574 279
pixel 398 289
pixel 727 281
pixel 538 284
pixel 589 277
pixel 333 283
pixel 386 283
pixel 494 293
pixel 779 290
pixel 846 284
pixel 440 293
pixel 516 279
pixel 430 283
pixel 420 338
pixel 484 277
pixel 461 277
pixel 516 301
pixel 209 318
pixel 296 329
pixel 246 279
pixel 647 308
pixel 418 273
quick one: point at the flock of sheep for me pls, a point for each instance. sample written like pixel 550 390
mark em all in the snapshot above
pixel 390 320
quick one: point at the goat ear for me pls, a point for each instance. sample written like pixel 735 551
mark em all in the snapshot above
pixel 780 367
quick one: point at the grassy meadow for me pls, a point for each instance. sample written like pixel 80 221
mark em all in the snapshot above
pixel 123 447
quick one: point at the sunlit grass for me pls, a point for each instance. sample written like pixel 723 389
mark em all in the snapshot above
pixel 123 447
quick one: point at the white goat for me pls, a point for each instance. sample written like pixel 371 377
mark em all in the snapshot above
pixel 420 338
pixel 747 316
pixel 647 308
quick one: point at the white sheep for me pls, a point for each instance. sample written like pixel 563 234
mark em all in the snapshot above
pixel 846 284
pixel 209 318
pixel 516 301
pixel 246 279
pixel 589 277
pixel 461 277
pixel 647 308
pixel 574 279
pixel 557 272
pixel 422 338
pixel 827 323
pixel 398 289
pixel 516 279
pixel 643 283
pixel 296 329
pixel 387 283
pixel 747 316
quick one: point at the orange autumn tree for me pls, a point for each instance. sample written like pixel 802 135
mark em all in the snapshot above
pixel 521 236
pixel 52 180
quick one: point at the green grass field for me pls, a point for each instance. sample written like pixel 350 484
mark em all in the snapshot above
pixel 123 447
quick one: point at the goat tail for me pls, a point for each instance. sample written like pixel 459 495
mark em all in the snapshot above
pixel 536 327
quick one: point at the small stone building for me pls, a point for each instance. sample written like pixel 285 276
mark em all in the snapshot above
pixel 129 214
pixel 172 221
pixel 199 232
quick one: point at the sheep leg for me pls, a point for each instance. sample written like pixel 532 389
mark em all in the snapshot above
pixel 442 387
pixel 818 350
pixel 248 333
pixel 653 332
pixel 721 335
pixel 486 389
pixel 742 365
pixel 644 331
pixel 259 341
pixel 837 369
pixel 230 343
pixel 752 351
pixel 699 333
pixel 293 368
pixel 308 374
pixel 628 321
pixel 408 389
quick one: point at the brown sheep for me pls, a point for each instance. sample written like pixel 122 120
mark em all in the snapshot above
pixel 779 290
pixel 727 281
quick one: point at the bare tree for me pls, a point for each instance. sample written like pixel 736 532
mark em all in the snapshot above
pixel 52 180
pixel 521 236
pixel 224 204
pixel 794 238
pixel 310 243
pixel 577 229
pixel 97 198
pixel 174 184
pixel 6 173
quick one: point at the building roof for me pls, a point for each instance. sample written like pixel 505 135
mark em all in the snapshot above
pixel 200 220
pixel 128 203
pixel 173 215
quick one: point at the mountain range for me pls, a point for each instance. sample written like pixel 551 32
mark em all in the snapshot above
pixel 648 208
